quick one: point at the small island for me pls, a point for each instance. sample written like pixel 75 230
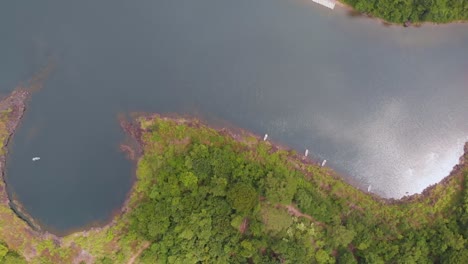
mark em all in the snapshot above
pixel 416 12
pixel 217 195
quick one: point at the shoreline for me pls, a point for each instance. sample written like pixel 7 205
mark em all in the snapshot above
pixel 16 101
pixel 166 132
pixel 134 149
pixel 134 152
pixel 239 134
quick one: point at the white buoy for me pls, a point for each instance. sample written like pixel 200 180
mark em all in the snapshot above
pixel 369 188
pixel 306 153
pixel 324 162
pixel 265 137
pixel 36 158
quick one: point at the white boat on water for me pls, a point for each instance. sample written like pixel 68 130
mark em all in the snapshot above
pixel 324 162
pixel 36 158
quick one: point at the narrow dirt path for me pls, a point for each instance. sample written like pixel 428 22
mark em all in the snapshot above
pixel 294 211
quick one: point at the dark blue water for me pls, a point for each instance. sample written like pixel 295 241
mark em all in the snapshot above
pixel 386 105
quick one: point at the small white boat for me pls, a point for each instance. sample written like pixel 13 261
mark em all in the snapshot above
pixel 369 188
pixel 324 162
pixel 306 153
pixel 265 137
pixel 36 158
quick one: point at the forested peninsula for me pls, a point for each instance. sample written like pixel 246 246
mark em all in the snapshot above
pixel 413 11
pixel 209 195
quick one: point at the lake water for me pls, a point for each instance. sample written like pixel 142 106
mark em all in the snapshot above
pixel 385 105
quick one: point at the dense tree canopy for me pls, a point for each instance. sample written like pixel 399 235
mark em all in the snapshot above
pixel 401 11
pixel 205 198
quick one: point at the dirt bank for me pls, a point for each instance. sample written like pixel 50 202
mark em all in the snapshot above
pixel 12 109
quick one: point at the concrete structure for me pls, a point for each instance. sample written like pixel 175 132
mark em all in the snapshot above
pixel 327 3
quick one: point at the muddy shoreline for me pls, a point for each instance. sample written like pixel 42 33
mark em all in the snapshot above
pixel 13 100
pixel 134 150
pixel 16 103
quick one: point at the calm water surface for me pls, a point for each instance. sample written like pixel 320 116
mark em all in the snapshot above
pixel 385 105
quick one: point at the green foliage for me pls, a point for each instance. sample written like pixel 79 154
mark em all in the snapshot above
pixel 202 197
pixel 276 220
pixel 401 11
pixel 3 251
pixel 323 257
pixel 346 257
pixel 105 260
pixel 314 203
pixel 341 236
pixel 201 203
pixel 242 198
pixel 281 185
pixel 14 258
pixel 9 257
